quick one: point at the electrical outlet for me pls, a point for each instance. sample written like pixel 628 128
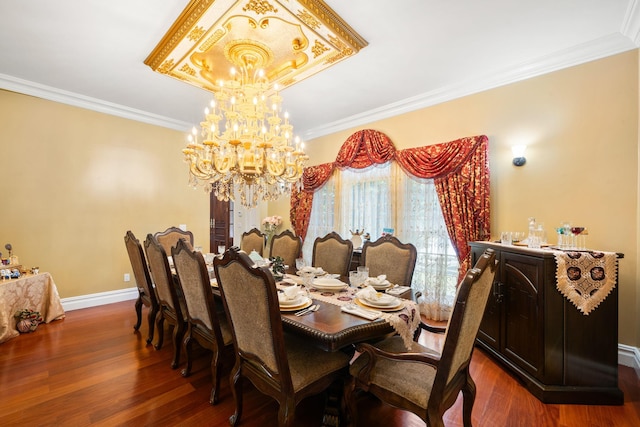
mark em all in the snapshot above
pixel 127 277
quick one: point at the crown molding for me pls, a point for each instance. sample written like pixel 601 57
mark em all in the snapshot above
pixel 605 46
pixel 597 49
pixel 631 23
pixel 26 87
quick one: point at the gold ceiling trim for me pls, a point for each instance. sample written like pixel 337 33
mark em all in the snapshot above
pixel 290 39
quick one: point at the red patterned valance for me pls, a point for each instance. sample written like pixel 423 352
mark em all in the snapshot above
pixel 459 168
pixel 365 148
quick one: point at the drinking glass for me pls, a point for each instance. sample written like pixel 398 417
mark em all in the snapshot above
pixel 506 238
pixel 364 273
pixel 354 279
pixel 307 280
pixel 300 263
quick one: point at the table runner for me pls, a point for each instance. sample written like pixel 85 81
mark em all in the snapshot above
pixel 404 321
pixel 586 278
pixel 33 292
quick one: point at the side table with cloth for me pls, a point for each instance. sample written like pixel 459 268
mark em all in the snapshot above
pixel 33 292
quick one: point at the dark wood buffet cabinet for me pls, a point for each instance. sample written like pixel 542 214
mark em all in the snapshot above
pixel 559 354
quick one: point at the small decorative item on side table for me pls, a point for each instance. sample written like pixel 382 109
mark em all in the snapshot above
pixel 277 267
pixel 27 320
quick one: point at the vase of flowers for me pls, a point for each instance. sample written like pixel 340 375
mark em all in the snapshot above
pixel 270 225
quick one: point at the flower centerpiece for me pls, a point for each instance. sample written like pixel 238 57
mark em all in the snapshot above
pixel 270 224
pixel 277 267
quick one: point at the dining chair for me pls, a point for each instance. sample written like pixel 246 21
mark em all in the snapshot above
pixel 171 306
pixel 283 366
pixel 287 246
pixel 389 256
pixel 146 291
pixel 204 325
pixel 170 237
pixel 332 253
pixel 252 240
pixel 422 380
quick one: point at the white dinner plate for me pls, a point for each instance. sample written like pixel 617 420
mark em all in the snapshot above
pixel 365 304
pixel 382 300
pixel 284 302
pixel 306 302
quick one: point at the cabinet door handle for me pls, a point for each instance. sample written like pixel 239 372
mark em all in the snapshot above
pixel 498 288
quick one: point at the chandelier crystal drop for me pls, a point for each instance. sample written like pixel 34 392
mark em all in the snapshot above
pixel 244 143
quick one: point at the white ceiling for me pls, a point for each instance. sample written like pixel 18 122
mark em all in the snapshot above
pixel 90 53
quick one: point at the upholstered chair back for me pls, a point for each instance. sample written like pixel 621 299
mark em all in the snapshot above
pixel 333 254
pixel 195 284
pixel 161 274
pixel 287 246
pixel 252 240
pixel 470 303
pixel 389 256
pixel 170 237
pixel 139 266
pixel 250 300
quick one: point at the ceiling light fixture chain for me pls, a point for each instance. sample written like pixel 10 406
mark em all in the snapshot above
pixel 246 145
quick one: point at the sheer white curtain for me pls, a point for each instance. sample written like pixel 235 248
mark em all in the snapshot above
pixel 420 222
pixel 384 196
pixel 323 215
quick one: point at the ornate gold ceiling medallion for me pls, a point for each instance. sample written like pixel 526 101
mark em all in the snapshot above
pixel 290 39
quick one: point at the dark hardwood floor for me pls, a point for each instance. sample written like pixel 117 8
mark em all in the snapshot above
pixel 91 369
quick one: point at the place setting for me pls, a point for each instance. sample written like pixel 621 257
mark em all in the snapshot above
pixel 369 297
pixel 293 299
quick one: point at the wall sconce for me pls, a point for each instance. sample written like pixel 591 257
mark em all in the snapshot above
pixel 518 154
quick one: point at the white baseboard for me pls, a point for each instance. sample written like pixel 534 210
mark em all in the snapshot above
pixel 101 298
pixel 627 355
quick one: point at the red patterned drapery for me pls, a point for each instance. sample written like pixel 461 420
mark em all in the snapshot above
pixel 313 178
pixel 460 170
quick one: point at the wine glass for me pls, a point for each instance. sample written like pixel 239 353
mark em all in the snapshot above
pixel 300 263
pixel 578 237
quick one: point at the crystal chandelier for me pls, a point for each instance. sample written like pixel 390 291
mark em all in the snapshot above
pixel 245 144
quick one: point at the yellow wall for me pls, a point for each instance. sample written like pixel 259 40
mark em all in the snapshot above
pixel 581 128
pixel 74 181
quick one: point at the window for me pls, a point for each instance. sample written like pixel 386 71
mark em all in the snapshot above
pixel 383 196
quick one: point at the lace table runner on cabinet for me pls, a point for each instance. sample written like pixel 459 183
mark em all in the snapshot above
pixel 586 278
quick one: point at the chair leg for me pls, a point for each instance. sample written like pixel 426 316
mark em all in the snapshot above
pixel 287 413
pixel 216 367
pixel 160 329
pixel 468 399
pixel 138 313
pixel 178 334
pixel 350 410
pixel 186 346
pixel 236 389
pixel 153 312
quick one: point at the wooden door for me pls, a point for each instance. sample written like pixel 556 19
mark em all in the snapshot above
pixel 220 224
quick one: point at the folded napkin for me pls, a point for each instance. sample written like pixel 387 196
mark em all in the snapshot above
pixel 291 293
pixel 398 290
pixel 361 312
pixel 368 293
pixel 314 270
pixel 377 281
